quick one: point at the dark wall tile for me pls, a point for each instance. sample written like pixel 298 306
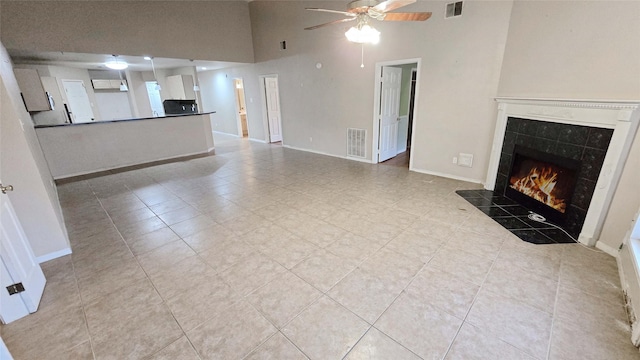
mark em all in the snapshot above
pixel 575 220
pixel 592 161
pixel 505 164
pixel 599 138
pixel 569 151
pixel 583 193
pixel 544 145
pixel 573 134
pixel 529 127
pixel 525 140
pixel 513 124
pixel 509 142
pixel 548 130
pixel 501 183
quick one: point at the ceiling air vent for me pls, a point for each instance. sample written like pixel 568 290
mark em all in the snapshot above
pixel 454 9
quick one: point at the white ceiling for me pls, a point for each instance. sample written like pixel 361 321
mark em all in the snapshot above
pixel 96 61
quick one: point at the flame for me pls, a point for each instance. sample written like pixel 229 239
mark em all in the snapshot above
pixel 539 184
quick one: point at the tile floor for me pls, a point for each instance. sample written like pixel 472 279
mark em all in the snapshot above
pixel 261 252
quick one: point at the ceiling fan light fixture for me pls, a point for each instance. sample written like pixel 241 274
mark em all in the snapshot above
pixel 363 34
pixel 116 64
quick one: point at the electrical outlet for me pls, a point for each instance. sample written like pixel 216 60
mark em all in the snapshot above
pixel 455 160
pixel 465 160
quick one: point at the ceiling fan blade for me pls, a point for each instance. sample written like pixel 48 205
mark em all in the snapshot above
pixel 416 16
pixel 329 23
pixel 390 5
pixel 332 11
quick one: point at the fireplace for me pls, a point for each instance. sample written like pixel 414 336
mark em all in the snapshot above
pixel 542 182
pixel 598 134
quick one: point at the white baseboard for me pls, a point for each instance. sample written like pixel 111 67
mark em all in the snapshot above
pixel 53 255
pixel 225 133
pixel 449 176
pixel 607 248
pixel 327 154
pixel 257 140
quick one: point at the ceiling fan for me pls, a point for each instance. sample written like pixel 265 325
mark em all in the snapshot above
pixel 363 10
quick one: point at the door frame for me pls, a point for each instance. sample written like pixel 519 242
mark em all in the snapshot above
pixel 375 138
pixel 238 119
pixel 265 116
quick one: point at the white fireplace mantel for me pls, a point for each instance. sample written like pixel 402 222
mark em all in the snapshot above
pixel 621 116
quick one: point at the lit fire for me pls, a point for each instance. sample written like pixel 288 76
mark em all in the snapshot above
pixel 539 185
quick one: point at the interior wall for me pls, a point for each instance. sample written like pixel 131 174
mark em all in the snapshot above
pixel 217 90
pixel 625 202
pixel 203 30
pixel 580 50
pixel 141 97
pixel 460 58
pixel 35 198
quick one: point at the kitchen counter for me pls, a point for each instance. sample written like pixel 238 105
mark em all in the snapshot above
pixel 119 120
pixel 73 150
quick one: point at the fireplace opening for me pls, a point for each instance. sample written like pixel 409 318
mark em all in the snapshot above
pixel 542 182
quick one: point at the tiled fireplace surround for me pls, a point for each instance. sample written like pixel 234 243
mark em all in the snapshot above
pixel 573 129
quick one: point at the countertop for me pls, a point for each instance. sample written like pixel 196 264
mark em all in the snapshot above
pixel 121 120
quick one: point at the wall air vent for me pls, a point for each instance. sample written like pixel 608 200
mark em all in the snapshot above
pixel 453 9
pixel 356 143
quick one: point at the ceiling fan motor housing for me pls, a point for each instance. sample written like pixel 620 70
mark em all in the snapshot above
pixel 361 6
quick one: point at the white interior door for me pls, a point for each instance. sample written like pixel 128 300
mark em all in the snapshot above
pixel 273 108
pixel 389 112
pixel 78 101
pixel 155 99
pixel 18 265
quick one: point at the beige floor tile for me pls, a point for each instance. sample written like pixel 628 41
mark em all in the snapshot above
pixel 57 333
pixel 529 288
pixel 175 216
pixel 354 248
pixel 392 267
pixel 463 264
pixel 109 280
pixel 325 234
pixel 266 233
pixel 415 245
pixel 180 349
pixel 572 341
pixel 167 206
pixel 231 334
pixel 476 244
pixel 276 348
pixel 287 251
pixel 223 257
pixel 365 294
pixel 61 289
pixel 433 229
pixel 251 273
pixel 139 334
pixel 471 343
pixel 108 257
pixel 283 298
pixel 419 327
pixel 79 352
pixel 151 241
pixel 209 297
pixel 520 325
pixel 605 285
pixel 323 269
pixel 192 226
pixel 376 345
pixel 165 256
pixel 212 236
pixel 181 277
pixel 243 224
pixel 325 330
pixel 129 218
pixel 141 227
pixel 443 290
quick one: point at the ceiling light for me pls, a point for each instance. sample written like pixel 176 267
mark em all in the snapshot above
pixel 147 58
pixel 204 68
pixel 196 88
pixel 363 34
pixel 116 64
pixel 158 87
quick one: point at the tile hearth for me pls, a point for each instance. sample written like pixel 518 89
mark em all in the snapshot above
pixel 514 217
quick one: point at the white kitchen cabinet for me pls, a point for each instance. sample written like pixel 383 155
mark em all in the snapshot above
pixel 181 87
pixel 33 94
pixel 105 84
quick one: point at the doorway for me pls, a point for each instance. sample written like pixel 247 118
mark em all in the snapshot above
pixel 271 104
pixel 241 108
pixel 155 100
pixel 395 102
pixel 80 110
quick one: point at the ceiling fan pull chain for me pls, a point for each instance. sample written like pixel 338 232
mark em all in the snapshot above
pixel 362 58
